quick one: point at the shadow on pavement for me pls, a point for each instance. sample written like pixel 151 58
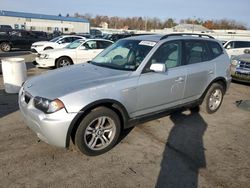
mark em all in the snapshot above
pixel 14 53
pixel 8 103
pixel 184 152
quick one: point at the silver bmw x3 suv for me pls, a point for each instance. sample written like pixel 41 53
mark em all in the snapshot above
pixel 134 79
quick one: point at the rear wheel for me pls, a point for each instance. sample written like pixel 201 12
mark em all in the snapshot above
pixel 5 47
pixel 213 98
pixel 98 132
pixel 63 62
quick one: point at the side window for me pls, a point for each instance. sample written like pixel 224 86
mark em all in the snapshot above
pixel 66 40
pixel 103 44
pixel 75 38
pixel 196 51
pixel 230 45
pixel 63 40
pixel 69 39
pixel 169 54
pixel 242 44
pixel 90 44
pixel 215 48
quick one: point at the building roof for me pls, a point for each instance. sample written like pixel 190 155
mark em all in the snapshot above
pixel 41 16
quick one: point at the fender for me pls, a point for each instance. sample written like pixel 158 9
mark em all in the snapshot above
pixel 110 103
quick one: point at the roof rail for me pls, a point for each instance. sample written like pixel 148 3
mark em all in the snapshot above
pixel 187 34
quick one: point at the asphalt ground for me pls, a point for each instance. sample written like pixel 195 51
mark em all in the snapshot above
pixel 184 149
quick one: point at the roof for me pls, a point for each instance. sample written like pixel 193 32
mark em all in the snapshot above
pixel 158 37
pixel 154 38
pixel 41 16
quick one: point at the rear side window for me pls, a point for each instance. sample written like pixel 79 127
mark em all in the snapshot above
pixel 215 48
pixel 196 51
pixel 103 44
pixel 241 44
pixel 75 38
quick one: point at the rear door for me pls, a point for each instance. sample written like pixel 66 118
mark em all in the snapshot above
pixel 200 68
pixel 159 91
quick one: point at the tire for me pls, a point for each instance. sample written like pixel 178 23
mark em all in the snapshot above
pixel 48 48
pixel 98 132
pixel 213 98
pixel 5 47
pixel 63 62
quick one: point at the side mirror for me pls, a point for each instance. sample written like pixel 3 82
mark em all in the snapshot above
pixel 60 42
pixel 82 48
pixel 158 67
pixel 228 47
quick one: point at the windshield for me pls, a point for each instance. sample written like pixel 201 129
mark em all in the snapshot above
pixel 55 39
pixel 124 55
pixel 74 44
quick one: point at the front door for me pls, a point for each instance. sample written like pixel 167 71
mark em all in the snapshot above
pixel 90 51
pixel 160 91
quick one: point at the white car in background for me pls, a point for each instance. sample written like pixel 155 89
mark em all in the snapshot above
pixel 236 47
pixel 79 51
pixel 55 43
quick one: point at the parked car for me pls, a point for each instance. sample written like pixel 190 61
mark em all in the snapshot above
pixel 134 79
pixel 17 39
pixel 42 34
pixel 236 47
pixel 55 43
pixel 78 51
pixel 240 67
pixel 5 27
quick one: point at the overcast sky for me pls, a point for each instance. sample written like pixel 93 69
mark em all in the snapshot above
pixel 238 10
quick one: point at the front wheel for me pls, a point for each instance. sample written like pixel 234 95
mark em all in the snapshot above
pixel 213 98
pixel 63 62
pixel 98 132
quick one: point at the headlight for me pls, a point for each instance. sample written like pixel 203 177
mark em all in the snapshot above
pixel 48 106
pixel 45 56
pixel 235 62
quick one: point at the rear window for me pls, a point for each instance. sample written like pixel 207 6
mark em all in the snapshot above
pixel 215 48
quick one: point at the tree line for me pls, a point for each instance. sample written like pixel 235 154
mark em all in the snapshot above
pixel 146 23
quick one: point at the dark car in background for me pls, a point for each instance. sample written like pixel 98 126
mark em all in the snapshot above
pixel 240 67
pixel 5 27
pixel 19 39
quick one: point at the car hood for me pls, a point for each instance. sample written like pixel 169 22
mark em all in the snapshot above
pixel 60 82
pixel 56 52
pixel 243 57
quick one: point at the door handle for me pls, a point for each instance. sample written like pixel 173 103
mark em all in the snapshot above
pixel 180 79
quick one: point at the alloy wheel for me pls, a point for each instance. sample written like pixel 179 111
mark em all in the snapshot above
pixel 100 133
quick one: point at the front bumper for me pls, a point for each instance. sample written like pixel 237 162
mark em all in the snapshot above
pixel 50 128
pixel 240 74
pixel 41 62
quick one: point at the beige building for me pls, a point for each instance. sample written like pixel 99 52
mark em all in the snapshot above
pixel 46 23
